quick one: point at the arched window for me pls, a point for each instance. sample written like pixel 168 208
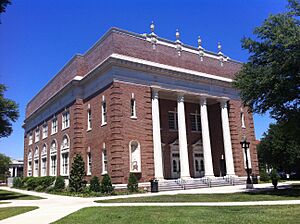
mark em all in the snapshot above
pixel 135 156
pixel 44 161
pixel 36 162
pixel 65 147
pixel 53 158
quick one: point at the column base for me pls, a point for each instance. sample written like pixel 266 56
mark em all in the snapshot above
pixel 186 178
pixel 209 176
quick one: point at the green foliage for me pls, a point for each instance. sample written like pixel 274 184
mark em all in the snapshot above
pixel 132 185
pixel 270 80
pixel 4 164
pixel 264 176
pixel 95 184
pixel 274 175
pixel 3 5
pixel 106 185
pixel 31 183
pixel 8 113
pixel 76 182
pixel 18 183
pixel 59 184
pixel 279 150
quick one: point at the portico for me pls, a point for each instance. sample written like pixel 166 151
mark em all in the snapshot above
pixel 190 127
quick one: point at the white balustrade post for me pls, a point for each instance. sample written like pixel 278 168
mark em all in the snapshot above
pixel 158 165
pixel 183 149
pixel 208 164
pixel 227 139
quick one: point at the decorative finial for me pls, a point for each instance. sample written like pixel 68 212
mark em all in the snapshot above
pixel 152 26
pixel 219 48
pixel 177 35
pixel 200 48
pixel 199 42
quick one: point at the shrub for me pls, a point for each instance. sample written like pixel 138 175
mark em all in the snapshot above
pixel 274 175
pixel 59 184
pixel 31 183
pixel 264 176
pixel 18 183
pixel 106 185
pixel 95 184
pixel 46 181
pixel 132 185
pixel 39 188
pixel 76 182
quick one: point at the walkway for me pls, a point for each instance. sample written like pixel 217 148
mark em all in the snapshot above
pixel 55 207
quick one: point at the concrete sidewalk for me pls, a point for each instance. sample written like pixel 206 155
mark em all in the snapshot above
pixel 55 207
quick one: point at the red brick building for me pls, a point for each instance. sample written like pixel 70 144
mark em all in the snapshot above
pixel 143 104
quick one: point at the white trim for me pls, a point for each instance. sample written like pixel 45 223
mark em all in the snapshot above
pixel 169 67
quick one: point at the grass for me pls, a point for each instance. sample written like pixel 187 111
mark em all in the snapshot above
pixel 182 215
pixel 292 193
pixel 10 195
pixel 12 211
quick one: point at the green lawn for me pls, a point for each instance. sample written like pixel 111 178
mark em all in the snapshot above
pixel 10 195
pixel 269 195
pixel 139 215
pixel 12 211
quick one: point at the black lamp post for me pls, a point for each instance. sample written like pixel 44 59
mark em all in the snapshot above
pixel 245 145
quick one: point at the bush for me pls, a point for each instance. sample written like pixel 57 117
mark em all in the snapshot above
pixel 76 182
pixel 31 183
pixel 46 181
pixel 106 185
pixel 59 184
pixel 132 185
pixel 274 175
pixel 18 183
pixel 95 184
pixel 264 176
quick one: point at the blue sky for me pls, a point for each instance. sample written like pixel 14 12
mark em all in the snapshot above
pixel 38 37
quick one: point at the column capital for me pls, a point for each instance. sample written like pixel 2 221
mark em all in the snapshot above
pixel 203 100
pixel 180 97
pixel 223 102
pixel 155 94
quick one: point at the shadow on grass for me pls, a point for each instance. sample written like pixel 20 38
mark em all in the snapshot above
pixel 9 195
pixel 290 191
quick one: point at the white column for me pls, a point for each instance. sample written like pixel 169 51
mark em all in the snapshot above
pixel 208 164
pixel 158 166
pixel 183 150
pixel 227 139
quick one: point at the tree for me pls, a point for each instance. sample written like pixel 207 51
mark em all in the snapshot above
pixel 279 150
pixel 106 185
pixel 76 181
pixel 95 184
pixel 4 166
pixel 3 5
pixel 8 113
pixel 133 185
pixel 270 80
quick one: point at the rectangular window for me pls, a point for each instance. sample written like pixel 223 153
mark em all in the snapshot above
pixel 36 168
pixel 133 107
pixel 89 119
pixel 37 135
pixel 44 166
pixel 65 120
pixel 89 164
pixel 104 111
pixel 173 120
pixel 104 160
pixel 53 166
pixel 30 139
pixel 45 131
pixel 29 169
pixel 54 126
pixel 65 164
pixel 195 122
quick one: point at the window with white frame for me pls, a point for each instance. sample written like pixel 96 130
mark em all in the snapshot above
pixel 36 162
pixel 135 156
pixel 29 168
pixel 89 163
pixel 45 131
pixel 104 159
pixel 30 138
pixel 173 120
pixel 65 147
pixel 243 120
pixel 89 119
pixel 104 111
pixel 37 135
pixel 195 121
pixel 133 106
pixel 65 120
pixel 54 126
pixel 53 158
pixel 44 161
